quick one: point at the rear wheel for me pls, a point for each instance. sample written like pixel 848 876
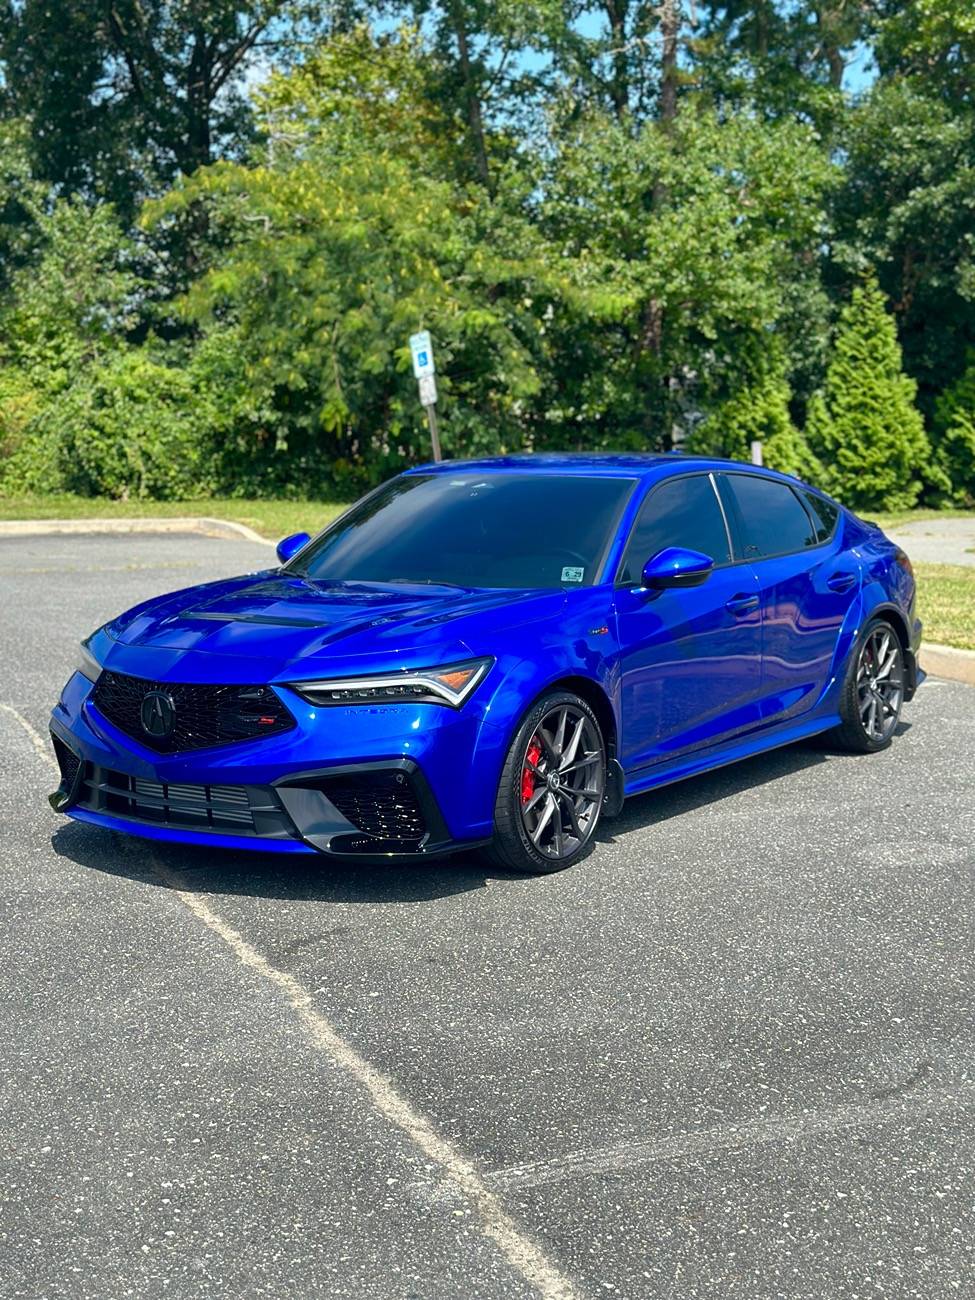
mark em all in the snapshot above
pixel 873 691
pixel 552 787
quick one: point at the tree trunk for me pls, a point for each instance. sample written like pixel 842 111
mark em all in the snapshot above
pixel 670 19
pixel 196 148
pixel 472 99
pixel 619 90
pixel 829 21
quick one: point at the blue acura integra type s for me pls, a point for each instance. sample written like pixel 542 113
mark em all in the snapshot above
pixel 492 653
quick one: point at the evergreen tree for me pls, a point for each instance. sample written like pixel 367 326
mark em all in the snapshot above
pixel 954 436
pixel 865 427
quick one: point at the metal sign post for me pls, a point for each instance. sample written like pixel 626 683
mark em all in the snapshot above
pixel 421 349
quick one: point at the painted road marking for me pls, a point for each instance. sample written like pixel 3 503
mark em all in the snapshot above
pixel 523 1254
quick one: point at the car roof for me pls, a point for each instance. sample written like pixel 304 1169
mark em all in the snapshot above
pixel 608 464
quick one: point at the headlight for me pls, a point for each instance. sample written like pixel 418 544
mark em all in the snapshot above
pixel 86 663
pixel 450 685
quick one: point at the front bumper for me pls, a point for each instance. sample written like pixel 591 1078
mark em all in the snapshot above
pixel 403 781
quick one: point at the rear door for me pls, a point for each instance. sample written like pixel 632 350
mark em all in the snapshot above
pixel 690 659
pixel 806 579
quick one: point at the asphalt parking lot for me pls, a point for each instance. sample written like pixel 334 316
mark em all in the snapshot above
pixel 730 1055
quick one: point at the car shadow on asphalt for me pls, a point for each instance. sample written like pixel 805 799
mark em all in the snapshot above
pixel 687 796
pixel 296 877
pixel 311 878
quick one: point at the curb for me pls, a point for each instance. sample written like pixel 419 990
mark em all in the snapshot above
pixel 226 528
pixel 946 661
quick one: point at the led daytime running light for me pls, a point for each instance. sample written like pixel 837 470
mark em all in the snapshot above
pixel 450 685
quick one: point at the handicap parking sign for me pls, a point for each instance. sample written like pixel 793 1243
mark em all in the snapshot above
pixel 421 348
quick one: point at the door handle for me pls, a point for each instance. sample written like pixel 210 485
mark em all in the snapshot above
pixel 841 581
pixel 740 605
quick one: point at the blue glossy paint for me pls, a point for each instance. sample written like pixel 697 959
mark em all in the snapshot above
pixel 683 677
pixel 288 547
pixel 677 566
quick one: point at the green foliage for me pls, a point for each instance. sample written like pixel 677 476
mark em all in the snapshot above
pixel 934 39
pixel 907 210
pixel 21 198
pixel 680 243
pixel 954 436
pixel 121 98
pixel 127 428
pixel 78 298
pixel 331 257
pixel 622 224
pixel 759 411
pixel 865 427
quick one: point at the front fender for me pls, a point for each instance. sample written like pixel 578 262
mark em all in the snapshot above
pixel 582 646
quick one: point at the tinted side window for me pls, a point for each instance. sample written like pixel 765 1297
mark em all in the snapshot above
pixel 681 512
pixel 824 515
pixel 772 516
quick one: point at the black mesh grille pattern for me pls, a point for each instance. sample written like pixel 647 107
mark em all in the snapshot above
pixel 201 715
pixel 236 809
pixel 383 804
pixel 68 762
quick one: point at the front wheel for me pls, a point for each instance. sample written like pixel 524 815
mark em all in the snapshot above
pixel 873 691
pixel 552 787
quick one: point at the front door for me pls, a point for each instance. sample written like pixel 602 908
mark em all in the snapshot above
pixel 691 672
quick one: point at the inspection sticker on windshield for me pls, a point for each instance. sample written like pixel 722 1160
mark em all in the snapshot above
pixel 570 574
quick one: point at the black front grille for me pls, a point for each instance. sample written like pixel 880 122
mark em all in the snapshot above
pixel 199 716
pixel 382 804
pixel 235 809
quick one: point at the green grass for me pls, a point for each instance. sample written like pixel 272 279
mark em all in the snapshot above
pixel 272 519
pixel 946 603
pixel 897 518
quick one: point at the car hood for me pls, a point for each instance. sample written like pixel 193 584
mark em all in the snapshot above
pixel 288 625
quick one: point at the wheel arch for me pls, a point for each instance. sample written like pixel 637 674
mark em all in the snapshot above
pixel 895 617
pixel 892 615
pixel 597 699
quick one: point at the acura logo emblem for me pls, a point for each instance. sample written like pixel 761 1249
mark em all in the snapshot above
pixel 158 714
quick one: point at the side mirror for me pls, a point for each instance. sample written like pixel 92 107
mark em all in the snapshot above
pixel 289 546
pixel 675 566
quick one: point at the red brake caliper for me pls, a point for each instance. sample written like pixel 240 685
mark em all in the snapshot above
pixel 528 776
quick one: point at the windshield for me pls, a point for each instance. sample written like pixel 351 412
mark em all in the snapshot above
pixel 473 530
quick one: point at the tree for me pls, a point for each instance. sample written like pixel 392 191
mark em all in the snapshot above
pixel 123 95
pixel 906 209
pixel 864 426
pixel 332 251
pixel 22 198
pixel 484 73
pixel 786 59
pixel 759 411
pixel 683 242
pixel 126 426
pixel 954 436
pixel 933 41
pixel 75 301
pixel 633 65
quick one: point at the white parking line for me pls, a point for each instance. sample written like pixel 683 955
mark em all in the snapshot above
pixel 33 735
pixel 524 1255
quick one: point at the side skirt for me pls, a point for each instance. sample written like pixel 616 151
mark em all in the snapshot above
pixel 720 756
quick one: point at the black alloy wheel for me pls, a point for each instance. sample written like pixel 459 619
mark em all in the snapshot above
pixel 873 692
pixel 552 787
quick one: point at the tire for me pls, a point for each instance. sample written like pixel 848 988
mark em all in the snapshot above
pixel 873 691
pixel 549 799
